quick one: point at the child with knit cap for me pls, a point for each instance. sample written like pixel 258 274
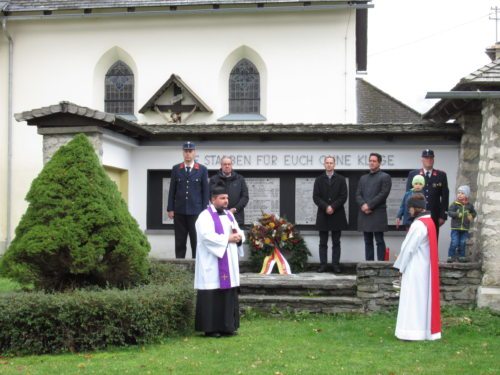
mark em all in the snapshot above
pixel 462 213
pixel 418 184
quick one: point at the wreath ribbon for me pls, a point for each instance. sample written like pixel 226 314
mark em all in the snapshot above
pixel 275 258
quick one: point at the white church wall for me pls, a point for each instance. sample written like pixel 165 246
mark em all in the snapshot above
pixel 309 70
pixel 117 151
pixel 4 82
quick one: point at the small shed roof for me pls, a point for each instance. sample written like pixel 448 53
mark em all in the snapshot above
pixel 70 114
pixel 66 114
pixel 486 78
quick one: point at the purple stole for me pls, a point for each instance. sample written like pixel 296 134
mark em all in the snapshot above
pixel 224 278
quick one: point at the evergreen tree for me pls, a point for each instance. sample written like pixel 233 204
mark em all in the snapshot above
pixel 77 230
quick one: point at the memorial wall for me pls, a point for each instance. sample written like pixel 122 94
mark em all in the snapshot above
pixel 280 177
pixel 281 181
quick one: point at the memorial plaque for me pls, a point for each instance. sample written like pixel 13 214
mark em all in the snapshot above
pixel 395 197
pixel 264 196
pixel 305 209
pixel 164 202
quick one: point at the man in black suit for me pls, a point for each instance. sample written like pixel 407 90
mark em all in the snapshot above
pixel 330 195
pixel 187 197
pixel 435 190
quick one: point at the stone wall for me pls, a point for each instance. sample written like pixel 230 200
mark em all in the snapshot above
pixel 488 196
pixel 468 168
pixel 459 284
pixel 53 138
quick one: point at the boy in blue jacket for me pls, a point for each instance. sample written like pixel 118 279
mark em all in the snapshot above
pixel 462 213
pixel 418 183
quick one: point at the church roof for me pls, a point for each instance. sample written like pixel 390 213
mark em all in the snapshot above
pixel 377 106
pixel 45 5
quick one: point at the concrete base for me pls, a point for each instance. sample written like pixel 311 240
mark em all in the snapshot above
pixel 489 297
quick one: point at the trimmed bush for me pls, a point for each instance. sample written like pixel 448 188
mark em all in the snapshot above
pixel 167 273
pixel 77 230
pixel 38 322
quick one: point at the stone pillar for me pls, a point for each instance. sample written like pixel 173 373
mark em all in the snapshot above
pixel 488 207
pixel 468 166
pixel 55 137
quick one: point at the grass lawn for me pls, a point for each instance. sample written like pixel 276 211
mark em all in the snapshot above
pixel 297 344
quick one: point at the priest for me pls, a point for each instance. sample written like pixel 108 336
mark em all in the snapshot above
pixel 217 274
pixel 419 316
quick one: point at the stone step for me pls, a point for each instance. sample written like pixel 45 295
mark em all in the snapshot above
pixel 323 304
pixel 347 268
pixel 305 284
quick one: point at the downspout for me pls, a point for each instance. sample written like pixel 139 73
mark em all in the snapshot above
pixel 345 63
pixel 9 134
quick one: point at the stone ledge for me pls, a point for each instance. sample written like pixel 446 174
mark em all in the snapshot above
pixel 489 297
pixel 326 305
pixel 375 284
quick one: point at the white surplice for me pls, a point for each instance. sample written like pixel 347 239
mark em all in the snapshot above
pixel 211 246
pixel 414 313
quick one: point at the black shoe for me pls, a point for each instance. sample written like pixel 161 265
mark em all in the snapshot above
pixel 234 333
pixel 213 334
pixel 322 268
pixel 336 268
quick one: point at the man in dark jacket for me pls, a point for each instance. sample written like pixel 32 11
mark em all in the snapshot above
pixel 236 188
pixel 436 190
pixel 371 195
pixel 187 197
pixel 330 195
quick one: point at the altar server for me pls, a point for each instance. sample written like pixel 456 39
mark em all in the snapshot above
pixel 419 316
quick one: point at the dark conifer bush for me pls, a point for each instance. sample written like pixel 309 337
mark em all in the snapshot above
pixel 77 230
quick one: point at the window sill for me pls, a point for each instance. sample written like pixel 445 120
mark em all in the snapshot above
pixel 242 117
pixel 126 116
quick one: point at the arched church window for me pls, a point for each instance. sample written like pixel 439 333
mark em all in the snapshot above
pixel 119 89
pixel 244 88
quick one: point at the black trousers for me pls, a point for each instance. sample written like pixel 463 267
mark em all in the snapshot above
pixel 369 249
pixel 323 247
pixel 184 225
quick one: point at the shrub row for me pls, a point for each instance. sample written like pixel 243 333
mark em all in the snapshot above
pixel 38 322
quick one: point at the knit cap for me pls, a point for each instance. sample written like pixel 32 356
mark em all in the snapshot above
pixel 465 190
pixel 418 179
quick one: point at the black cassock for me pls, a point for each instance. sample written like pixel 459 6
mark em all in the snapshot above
pixel 217 310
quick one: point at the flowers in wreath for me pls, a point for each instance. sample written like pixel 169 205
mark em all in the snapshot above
pixel 269 238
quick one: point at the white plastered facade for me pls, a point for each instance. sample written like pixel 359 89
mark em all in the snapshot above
pixel 306 61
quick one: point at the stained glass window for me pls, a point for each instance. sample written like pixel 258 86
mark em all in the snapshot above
pixel 244 88
pixel 119 89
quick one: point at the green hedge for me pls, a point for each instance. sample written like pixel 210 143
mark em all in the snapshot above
pixel 83 320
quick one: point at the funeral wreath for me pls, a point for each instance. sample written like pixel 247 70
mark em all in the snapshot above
pixel 274 239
